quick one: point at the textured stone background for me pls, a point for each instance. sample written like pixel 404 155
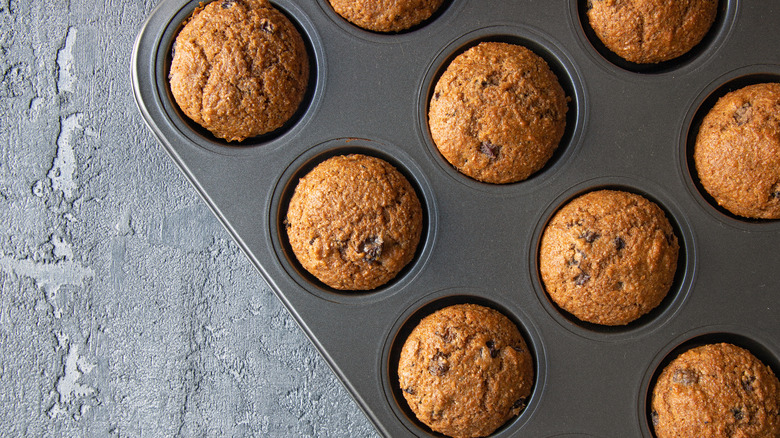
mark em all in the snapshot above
pixel 126 310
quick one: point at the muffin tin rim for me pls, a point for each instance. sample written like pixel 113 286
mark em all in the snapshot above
pixel 678 293
pixel 520 34
pixel 720 333
pixel 448 8
pixel 718 34
pixel 697 109
pixel 285 184
pixel 177 122
pixel 439 299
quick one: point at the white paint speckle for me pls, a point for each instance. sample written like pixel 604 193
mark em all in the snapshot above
pixel 49 276
pixel 65 77
pixel 63 169
pixel 62 249
pixel 68 386
pixel 39 189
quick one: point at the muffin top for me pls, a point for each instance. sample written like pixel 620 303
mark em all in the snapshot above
pixel 239 68
pixel 354 222
pixel 465 370
pixel 737 151
pixel 608 257
pixel 497 113
pixel 716 390
pixel 651 31
pixel 386 15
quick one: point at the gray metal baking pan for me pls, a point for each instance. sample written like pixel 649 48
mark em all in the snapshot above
pixel 628 127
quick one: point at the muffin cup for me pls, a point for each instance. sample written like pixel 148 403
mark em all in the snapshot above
pixel 626 129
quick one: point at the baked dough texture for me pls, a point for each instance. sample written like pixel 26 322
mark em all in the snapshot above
pixel 714 391
pixel 465 370
pixel 651 31
pixel 386 15
pixel 354 222
pixel 239 68
pixel 737 151
pixel 497 113
pixel 608 257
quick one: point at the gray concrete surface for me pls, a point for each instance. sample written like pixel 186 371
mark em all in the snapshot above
pixel 126 310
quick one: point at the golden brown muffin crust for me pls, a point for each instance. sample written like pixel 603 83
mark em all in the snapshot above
pixel 354 222
pixel 608 257
pixel 465 370
pixel 239 68
pixel 651 31
pixel 386 15
pixel 497 113
pixel 737 152
pixel 715 391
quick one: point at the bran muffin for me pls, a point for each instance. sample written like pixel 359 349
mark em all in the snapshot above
pixel 239 68
pixel 651 31
pixel 386 15
pixel 354 222
pixel 608 257
pixel 465 370
pixel 737 151
pixel 497 113
pixel 716 390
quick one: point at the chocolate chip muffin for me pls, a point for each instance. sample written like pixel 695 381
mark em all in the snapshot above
pixel 239 68
pixel 608 257
pixel 497 113
pixel 714 391
pixel 386 15
pixel 465 370
pixel 651 31
pixel 354 222
pixel 737 151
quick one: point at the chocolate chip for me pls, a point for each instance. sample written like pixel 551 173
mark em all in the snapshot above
pixel 436 95
pixel 775 191
pixel 447 336
pixel 490 149
pixel 409 391
pixel 492 347
pixel 266 26
pixel 590 236
pixel 686 377
pixel 518 349
pixel 619 243
pixel 227 3
pixel 743 114
pixel 173 50
pixel 439 364
pixel 737 413
pixel 520 403
pixel 492 80
pixel 581 279
pixel 372 248
pixel 619 285
pixel 654 418
pixel 747 383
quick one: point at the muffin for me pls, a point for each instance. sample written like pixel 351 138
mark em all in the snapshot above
pixel 386 15
pixel 239 68
pixel 608 257
pixel 737 151
pixel 716 390
pixel 354 222
pixel 497 113
pixel 465 370
pixel 651 31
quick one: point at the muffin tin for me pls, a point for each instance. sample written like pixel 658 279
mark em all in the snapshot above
pixel 629 127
